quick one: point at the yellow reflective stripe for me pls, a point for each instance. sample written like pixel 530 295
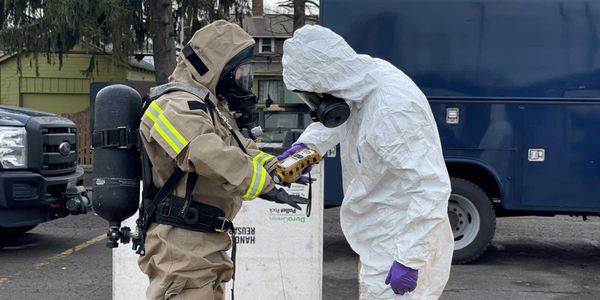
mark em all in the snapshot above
pixel 263 179
pixel 173 130
pixel 263 171
pixel 166 130
pixel 150 114
pixel 255 172
pixel 155 106
pixel 266 158
pixel 167 138
pixel 258 156
pixel 247 194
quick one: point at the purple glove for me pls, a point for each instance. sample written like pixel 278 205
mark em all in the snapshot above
pixel 402 279
pixel 291 151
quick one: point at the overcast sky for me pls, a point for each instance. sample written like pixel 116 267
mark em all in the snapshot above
pixel 270 5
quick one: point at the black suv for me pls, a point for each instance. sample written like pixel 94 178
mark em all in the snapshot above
pixel 39 177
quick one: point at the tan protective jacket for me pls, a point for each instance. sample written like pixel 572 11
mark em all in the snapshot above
pixel 180 130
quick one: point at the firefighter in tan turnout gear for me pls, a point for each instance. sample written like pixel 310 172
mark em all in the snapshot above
pixel 202 166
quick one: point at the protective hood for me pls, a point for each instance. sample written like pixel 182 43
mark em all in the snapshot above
pixel 317 60
pixel 213 52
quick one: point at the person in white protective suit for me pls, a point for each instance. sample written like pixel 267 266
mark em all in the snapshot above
pixel 396 186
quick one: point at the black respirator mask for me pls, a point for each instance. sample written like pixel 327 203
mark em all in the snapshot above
pixel 236 88
pixel 325 108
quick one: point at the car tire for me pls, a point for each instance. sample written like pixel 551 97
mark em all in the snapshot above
pixel 12 231
pixel 472 219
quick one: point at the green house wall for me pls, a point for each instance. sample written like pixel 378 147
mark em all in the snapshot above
pixel 59 90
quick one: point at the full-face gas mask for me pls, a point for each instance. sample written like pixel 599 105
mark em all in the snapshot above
pixel 235 86
pixel 326 108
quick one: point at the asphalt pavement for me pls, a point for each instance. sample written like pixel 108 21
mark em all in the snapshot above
pixel 63 259
pixel 531 258
pixel 534 258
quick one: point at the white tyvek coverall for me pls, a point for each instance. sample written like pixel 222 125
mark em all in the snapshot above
pixel 396 186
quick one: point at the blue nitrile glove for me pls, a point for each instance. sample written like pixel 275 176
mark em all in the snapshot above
pixel 402 279
pixel 291 151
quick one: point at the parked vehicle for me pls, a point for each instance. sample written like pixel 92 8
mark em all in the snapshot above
pixel 39 177
pixel 515 89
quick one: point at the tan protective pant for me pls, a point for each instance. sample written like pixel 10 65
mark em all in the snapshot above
pixel 207 292
pixel 184 264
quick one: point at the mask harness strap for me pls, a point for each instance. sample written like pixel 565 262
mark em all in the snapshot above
pixel 225 121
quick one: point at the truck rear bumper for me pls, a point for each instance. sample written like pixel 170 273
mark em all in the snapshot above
pixel 25 196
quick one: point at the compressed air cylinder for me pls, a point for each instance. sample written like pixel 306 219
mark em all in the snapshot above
pixel 116 173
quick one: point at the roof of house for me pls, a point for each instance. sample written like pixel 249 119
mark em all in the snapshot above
pixel 143 64
pixel 133 62
pixel 272 25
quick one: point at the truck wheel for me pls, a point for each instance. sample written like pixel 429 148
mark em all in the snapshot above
pixel 15 230
pixel 472 218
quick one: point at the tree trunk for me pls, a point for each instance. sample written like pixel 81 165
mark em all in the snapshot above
pixel 163 40
pixel 299 13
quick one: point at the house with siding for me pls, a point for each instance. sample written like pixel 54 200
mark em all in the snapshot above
pixel 63 89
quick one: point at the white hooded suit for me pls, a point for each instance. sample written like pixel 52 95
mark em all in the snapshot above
pixel 396 186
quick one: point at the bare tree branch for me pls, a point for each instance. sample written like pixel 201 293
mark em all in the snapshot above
pixel 281 23
pixel 286 30
pixel 313 3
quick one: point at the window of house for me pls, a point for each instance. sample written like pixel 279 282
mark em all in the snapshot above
pixel 266 45
pixel 270 88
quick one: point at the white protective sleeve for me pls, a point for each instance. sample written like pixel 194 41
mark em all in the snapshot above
pixel 405 142
pixel 320 138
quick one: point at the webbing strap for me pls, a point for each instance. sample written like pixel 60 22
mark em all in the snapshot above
pixel 119 137
pixel 233 253
pixel 147 193
pixel 225 121
pixel 189 189
pixel 309 205
pixel 160 90
pixel 165 191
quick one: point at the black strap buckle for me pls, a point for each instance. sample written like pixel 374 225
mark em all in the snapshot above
pixel 225 225
pixel 120 137
pixel 164 209
pixel 123 137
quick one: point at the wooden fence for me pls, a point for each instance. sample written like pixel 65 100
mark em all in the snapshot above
pixel 84 137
